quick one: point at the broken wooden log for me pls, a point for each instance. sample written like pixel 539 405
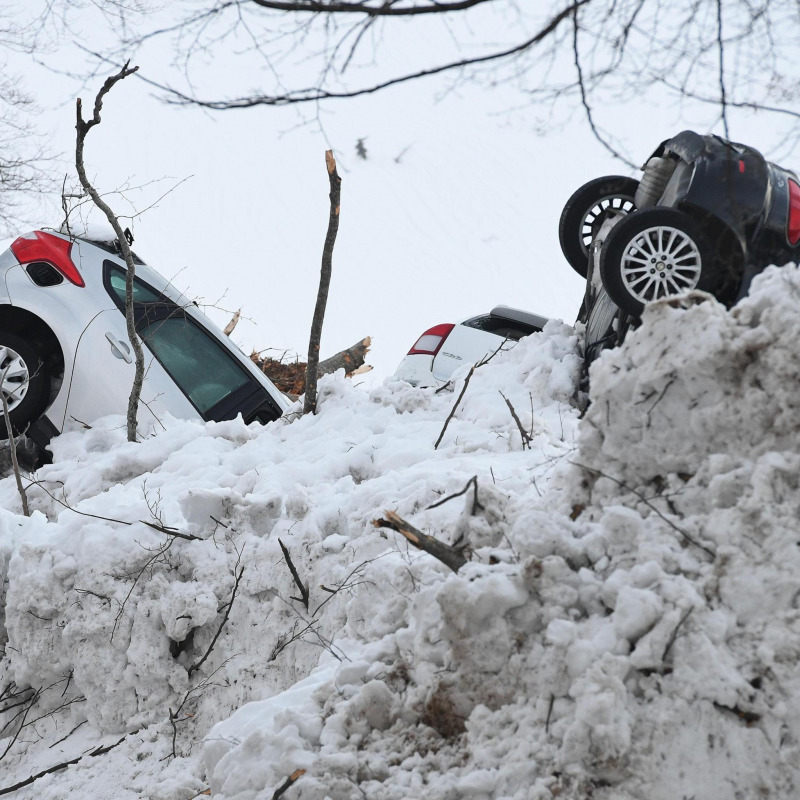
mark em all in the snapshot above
pixel 450 556
pixel 290 377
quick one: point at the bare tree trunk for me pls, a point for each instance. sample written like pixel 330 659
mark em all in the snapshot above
pixel 83 128
pixel 324 284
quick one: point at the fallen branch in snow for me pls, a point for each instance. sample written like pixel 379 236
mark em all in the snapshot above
pixel 455 406
pixel 549 713
pixel 19 721
pixel 687 537
pixel 450 556
pixel 189 537
pixel 345 584
pixel 156 526
pixel 285 639
pixel 228 607
pixel 175 716
pixel 526 437
pixel 149 563
pixel 66 505
pixel 28 703
pixel 674 635
pixel 12 446
pixel 63 765
pixel 476 505
pixel 303 588
pixel 296 775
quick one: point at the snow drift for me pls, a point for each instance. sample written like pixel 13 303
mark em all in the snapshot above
pixel 626 627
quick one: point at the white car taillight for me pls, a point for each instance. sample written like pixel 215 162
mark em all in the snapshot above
pixel 431 341
pixel 53 250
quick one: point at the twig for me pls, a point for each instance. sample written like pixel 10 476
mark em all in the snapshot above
pixel 674 635
pixel 29 703
pixel 344 584
pixel 148 563
pixel 190 537
pixel 303 588
pixel 310 404
pixel 228 608
pixel 476 505
pixel 63 765
pixel 450 556
pixel 64 738
pixel 455 406
pixel 526 438
pixel 687 537
pixel 549 713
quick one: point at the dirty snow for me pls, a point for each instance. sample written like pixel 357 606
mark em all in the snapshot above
pixel 627 626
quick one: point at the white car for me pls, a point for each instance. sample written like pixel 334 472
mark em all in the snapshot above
pixel 65 356
pixel 441 350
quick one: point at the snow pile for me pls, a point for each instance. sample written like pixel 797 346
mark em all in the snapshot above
pixel 626 627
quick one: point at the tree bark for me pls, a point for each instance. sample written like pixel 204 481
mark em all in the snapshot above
pixel 310 404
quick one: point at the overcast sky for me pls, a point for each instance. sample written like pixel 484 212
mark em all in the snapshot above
pixel 454 210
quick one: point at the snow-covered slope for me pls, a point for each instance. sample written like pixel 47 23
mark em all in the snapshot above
pixel 626 626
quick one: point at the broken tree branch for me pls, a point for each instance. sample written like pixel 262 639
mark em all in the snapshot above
pixel 303 588
pixel 450 556
pixel 228 329
pixel 296 775
pixel 310 405
pixel 526 438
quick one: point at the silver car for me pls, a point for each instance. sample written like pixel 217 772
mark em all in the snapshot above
pixel 65 356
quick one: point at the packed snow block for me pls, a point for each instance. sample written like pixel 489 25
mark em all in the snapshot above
pixel 697 380
pixel 205 509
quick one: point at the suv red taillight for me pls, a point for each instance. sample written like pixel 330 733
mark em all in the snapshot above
pixel 41 246
pixel 430 341
pixel 793 224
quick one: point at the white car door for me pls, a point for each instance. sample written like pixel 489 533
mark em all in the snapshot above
pixel 103 373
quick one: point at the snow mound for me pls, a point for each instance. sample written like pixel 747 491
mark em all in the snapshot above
pixel 626 626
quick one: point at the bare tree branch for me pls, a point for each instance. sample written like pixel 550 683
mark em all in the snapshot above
pixel 83 127
pixel 380 8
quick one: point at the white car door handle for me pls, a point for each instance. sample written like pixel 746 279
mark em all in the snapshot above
pixel 118 348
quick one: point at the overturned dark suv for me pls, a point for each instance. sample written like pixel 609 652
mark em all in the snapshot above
pixel 707 214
